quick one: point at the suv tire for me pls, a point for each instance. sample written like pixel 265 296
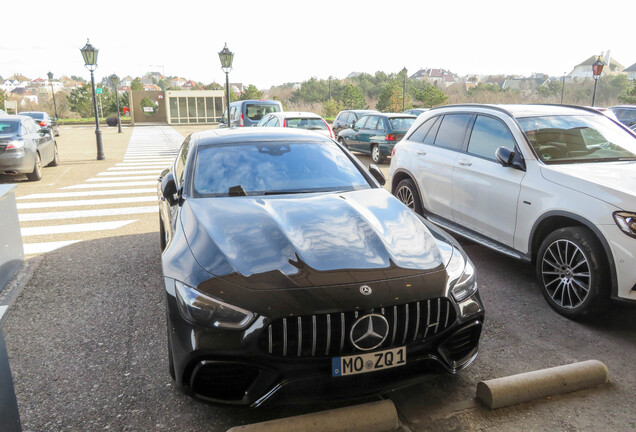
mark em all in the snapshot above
pixel 573 273
pixel 407 193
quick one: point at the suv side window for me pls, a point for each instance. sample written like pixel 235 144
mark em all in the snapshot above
pixel 452 131
pixel 487 136
pixel 421 131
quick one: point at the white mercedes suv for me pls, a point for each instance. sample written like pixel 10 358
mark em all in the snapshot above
pixel 551 185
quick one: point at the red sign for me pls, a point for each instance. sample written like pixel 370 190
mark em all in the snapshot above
pixel 160 96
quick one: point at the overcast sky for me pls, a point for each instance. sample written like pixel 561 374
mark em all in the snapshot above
pixel 290 41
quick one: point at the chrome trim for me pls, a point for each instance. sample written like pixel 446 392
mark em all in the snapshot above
pixel 406 323
pixel 300 335
pixel 313 344
pixel 428 317
pixel 417 321
pixel 342 331
pixel 328 334
pixel 269 335
pixel 394 324
pixel 284 336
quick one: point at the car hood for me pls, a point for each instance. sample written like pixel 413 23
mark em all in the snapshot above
pixel 304 240
pixel 612 182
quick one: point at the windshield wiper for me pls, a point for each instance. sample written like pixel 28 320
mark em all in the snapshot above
pixel 236 191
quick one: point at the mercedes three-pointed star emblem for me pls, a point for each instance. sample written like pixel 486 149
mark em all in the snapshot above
pixel 369 331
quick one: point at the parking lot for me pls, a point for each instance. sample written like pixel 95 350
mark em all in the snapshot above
pixel 87 336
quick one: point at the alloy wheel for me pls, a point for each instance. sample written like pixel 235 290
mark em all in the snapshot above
pixel 566 273
pixel 405 195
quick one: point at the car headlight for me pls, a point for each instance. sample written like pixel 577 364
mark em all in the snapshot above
pixel 461 276
pixel 626 221
pixel 200 309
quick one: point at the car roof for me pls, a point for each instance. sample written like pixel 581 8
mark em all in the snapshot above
pixel 361 111
pixel 296 114
pixel 392 115
pixel 521 110
pixel 261 101
pixel 32 112
pixel 255 135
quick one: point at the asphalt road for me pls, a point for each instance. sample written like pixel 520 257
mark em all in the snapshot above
pixel 87 345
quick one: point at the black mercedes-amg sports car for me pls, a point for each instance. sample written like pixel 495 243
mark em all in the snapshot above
pixel 291 272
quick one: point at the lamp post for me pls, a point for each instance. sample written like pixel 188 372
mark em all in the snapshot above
pixel 562 88
pixel 50 75
pixel 114 79
pixel 89 53
pixel 404 72
pixel 597 68
pixel 227 57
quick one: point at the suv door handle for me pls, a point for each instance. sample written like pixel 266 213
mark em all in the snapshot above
pixel 422 153
pixel 465 163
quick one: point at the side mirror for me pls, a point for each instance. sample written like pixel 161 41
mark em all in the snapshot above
pixel 169 189
pixel 377 174
pixel 505 156
pixel 508 158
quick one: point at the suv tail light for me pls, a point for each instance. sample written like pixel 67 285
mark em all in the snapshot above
pixel 284 122
pixel 42 123
pixel 241 121
pixel 390 137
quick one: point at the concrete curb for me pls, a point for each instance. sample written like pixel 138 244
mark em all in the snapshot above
pixel 20 279
pixel 370 417
pixel 515 389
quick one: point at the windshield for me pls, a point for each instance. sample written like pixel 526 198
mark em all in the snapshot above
pixel 401 123
pixel 306 123
pixel 578 139
pixel 271 168
pixel 9 126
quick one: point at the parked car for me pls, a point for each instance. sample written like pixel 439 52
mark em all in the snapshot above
pixel 25 147
pixel 626 114
pixel 297 120
pixel 549 185
pixel 416 111
pixel 248 113
pixel 288 268
pixel 44 120
pixel 376 134
pixel 347 118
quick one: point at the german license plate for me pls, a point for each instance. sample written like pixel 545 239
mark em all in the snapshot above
pixel 369 362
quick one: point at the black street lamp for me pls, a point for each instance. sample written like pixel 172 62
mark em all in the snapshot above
pixel 562 87
pixel 89 53
pixel 404 72
pixel 227 57
pixel 597 68
pixel 114 79
pixel 50 75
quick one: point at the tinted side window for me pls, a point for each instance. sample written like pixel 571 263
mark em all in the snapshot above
pixel 179 164
pixel 430 136
pixel 421 131
pixel 488 135
pixel 452 131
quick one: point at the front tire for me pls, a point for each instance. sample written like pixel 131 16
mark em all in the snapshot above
pixel 407 193
pixel 376 155
pixel 37 169
pixel 573 272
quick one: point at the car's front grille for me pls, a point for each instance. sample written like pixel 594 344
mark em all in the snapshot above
pixel 328 334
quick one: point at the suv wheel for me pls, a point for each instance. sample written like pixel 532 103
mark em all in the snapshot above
pixel 376 156
pixel 56 158
pixel 407 193
pixel 572 272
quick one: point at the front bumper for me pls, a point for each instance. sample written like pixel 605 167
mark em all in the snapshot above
pixel 623 250
pixel 233 367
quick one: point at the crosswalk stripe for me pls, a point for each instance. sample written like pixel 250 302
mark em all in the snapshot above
pixel 116 173
pixel 76 203
pixel 74 228
pixel 34 248
pixel 113 184
pixel 30 217
pixel 138 168
pixel 97 179
pixel 86 193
